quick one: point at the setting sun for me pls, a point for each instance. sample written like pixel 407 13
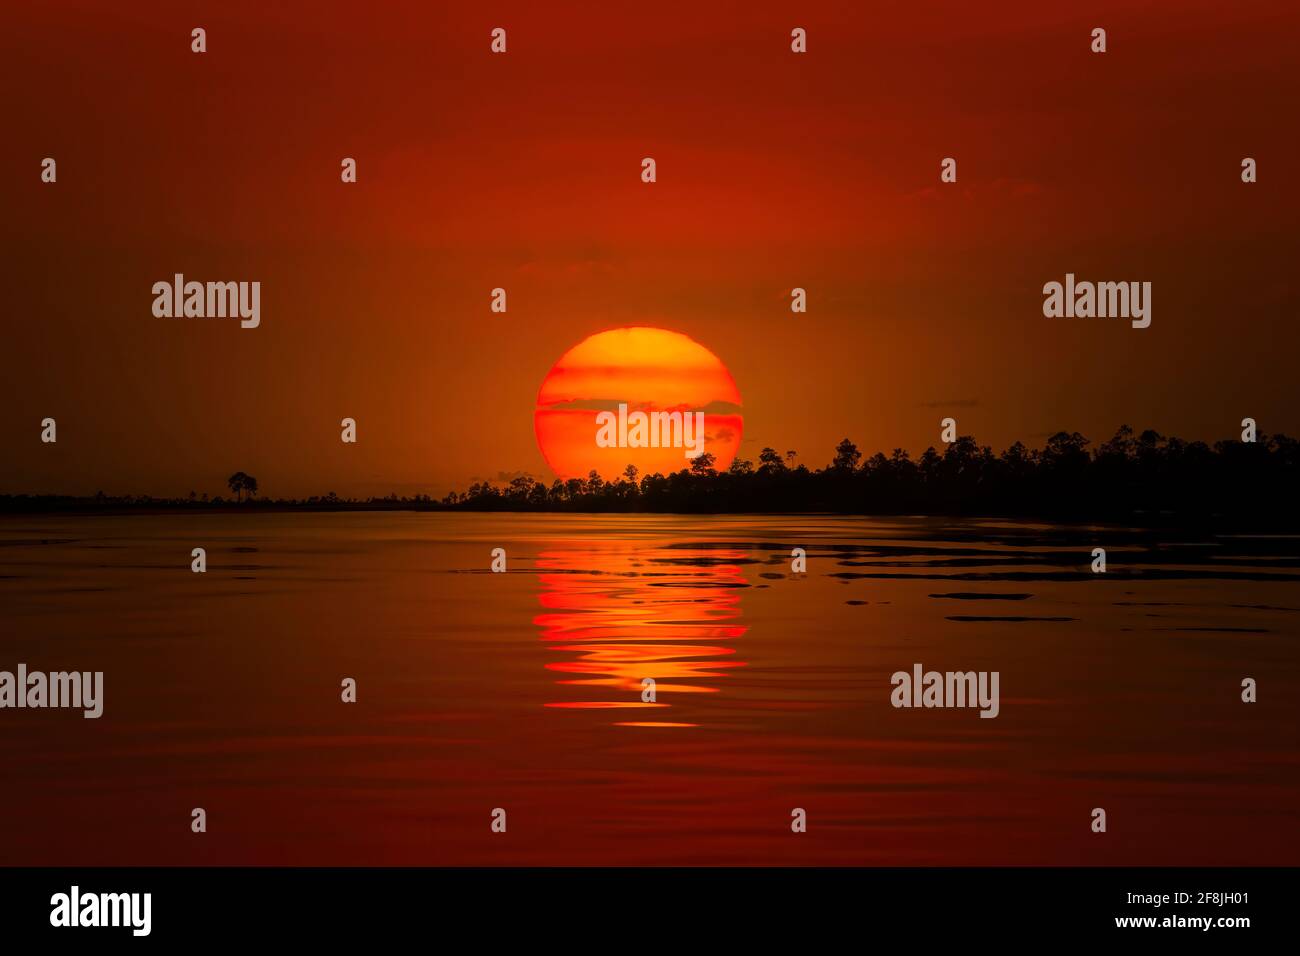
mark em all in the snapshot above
pixel 661 374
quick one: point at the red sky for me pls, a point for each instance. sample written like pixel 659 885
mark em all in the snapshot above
pixel 775 170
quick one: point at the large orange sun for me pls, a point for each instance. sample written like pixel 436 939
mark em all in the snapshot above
pixel 581 427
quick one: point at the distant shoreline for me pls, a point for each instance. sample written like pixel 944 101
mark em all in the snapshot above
pixel 1144 479
pixel 56 506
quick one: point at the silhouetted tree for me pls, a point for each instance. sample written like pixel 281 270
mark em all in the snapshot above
pixel 238 482
pixel 702 464
pixel 769 462
pixel 847 456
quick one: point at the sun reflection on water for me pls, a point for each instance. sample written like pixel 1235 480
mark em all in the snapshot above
pixel 619 617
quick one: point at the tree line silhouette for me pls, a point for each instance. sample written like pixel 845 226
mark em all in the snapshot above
pixel 1131 475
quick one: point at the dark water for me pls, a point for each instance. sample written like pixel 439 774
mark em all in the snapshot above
pixel 523 691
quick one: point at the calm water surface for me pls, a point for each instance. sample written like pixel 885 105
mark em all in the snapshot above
pixel 524 691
